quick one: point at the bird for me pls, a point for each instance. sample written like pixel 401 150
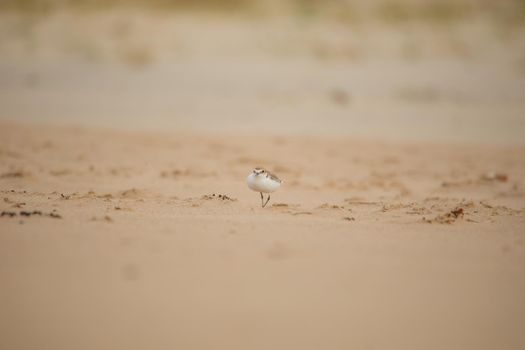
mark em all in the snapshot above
pixel 262 181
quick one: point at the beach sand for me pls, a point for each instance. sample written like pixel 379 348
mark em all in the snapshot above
pixel 126 137
pixel 153 240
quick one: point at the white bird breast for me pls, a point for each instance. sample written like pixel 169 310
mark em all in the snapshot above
pixel 261 183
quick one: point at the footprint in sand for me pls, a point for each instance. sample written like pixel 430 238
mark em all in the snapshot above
pixel 130 272
pixel 331 206
pixel 15 174
pixel 278 251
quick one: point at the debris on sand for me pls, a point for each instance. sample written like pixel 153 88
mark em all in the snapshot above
pixel 105 218
pixel 302 213
pixel 494 176
pixel 418 210
pixel 132 193
pixel 219 196
pixel 330 206
pixel 360 201
pixel 54 215
pixel 460 183
pixel 14 174
pixel 457 212
pixel 491 176
pixel 279 205
pixel 394 206
pixel 339 96
pixel 14 204
pixel 349 218
pixel 447 218
pixel 28 213
pixel 486 205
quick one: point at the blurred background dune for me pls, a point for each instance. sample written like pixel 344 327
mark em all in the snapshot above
pixel 402 70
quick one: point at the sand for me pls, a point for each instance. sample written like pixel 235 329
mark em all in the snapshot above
pixel 126 136
pixel 132 240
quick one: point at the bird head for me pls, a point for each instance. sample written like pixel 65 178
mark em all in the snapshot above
pixel 259 171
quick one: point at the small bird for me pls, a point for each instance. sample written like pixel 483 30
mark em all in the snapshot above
pixel 263 181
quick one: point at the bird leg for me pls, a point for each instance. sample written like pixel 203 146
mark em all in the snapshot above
pixel 262 200
pixel 267 201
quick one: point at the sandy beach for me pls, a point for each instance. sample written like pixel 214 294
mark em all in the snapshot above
pixel 157 242
pixel 126 222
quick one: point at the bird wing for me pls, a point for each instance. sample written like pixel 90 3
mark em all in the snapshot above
pixel 273 177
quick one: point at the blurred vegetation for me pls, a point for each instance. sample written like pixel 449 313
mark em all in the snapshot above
pixel 448 11
pixel 435 11
pixel 390 11
pixel 50 5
